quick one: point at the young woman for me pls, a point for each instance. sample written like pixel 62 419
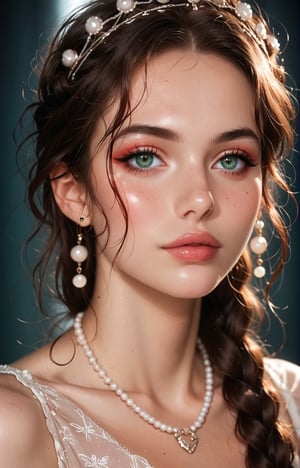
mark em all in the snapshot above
pixel 160 129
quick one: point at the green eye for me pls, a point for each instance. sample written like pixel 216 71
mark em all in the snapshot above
pixel 144 160
pixel 235 162
pixel 230 163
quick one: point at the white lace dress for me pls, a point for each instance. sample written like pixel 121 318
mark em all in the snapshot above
pixel 80 442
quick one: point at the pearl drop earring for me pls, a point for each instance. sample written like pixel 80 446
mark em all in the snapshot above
pixel 79 254
pixel 259 245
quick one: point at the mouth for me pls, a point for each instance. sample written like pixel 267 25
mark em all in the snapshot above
pixel 195 247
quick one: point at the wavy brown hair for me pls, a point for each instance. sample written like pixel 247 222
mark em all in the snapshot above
pixel 66 112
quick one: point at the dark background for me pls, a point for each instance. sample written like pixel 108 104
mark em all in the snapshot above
pixel 25 27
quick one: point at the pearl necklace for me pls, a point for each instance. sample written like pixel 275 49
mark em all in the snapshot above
pixel 186 437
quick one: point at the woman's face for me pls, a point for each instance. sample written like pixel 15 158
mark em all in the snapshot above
pixel 187 165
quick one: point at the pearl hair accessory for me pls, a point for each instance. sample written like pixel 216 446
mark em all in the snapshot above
pixel 79 254
pixel 186 437
pixel 259 245
pixel 98 29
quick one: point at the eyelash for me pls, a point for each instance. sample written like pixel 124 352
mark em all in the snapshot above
pixel 140 151
pixel 134 154
pixel 242 156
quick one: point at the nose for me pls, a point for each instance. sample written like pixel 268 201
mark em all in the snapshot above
pixel 194 199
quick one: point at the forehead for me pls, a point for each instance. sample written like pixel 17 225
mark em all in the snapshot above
pixel 184 89
pixel 182 76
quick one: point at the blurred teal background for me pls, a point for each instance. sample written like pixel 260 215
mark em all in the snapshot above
pixel 25 26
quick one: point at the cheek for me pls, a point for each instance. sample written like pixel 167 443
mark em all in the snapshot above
pixel 246 212
pixel 242 209
pixel 246 198
pixel 141 205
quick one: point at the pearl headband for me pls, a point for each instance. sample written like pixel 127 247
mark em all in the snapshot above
pixel 97 33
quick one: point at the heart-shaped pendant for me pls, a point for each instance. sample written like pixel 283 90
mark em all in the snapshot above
pixel 187 440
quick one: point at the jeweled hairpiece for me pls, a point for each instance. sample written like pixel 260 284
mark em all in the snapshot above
pixel 98 29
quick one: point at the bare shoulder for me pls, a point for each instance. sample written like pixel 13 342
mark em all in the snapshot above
pixel 24 438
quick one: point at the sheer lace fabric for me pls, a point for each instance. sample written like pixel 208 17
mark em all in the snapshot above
pixel 80 442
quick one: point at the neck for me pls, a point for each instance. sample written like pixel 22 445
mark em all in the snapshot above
pixel 186 436
pixel 153 332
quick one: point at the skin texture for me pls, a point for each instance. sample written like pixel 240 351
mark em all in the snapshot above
pixel 188 188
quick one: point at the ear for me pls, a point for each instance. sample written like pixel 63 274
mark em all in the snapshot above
pixel 70 195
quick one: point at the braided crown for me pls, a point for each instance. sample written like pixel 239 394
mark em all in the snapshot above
pixel 98 29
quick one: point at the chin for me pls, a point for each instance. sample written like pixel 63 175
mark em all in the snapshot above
pixel 192 291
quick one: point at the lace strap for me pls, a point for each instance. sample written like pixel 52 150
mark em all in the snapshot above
pixel 26 379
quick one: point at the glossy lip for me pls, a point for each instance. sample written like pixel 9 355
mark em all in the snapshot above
pixel 195 247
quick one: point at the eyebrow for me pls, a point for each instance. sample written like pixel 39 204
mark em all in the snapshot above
pixel 160 132
pixel 242 132
pixel 168 134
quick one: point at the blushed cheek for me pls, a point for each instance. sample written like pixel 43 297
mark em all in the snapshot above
pixel 142 207
pixel 244 203
pixel 249 195
pixel 133 200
